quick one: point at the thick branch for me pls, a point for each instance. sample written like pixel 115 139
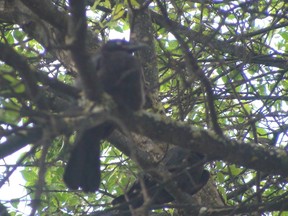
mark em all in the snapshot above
pixel 258 157
pixel 12 58
pixel 141 28
pixel 57 85
pixel 254 156
pixel 19 140
pixel 47 35
pixel 77 36
pixel 31 77
pixel 48 12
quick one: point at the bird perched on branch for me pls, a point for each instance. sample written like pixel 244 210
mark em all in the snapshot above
pixel 187 172
pixel 120 75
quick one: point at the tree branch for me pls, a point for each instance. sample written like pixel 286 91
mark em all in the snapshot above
pixel 223 46
pixel 19 140
pixel 48 12
pixel 250 155
pixel 77 33
pixel 154 126
pixel 12 58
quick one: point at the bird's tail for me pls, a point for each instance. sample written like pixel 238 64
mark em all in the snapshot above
pixel 83 167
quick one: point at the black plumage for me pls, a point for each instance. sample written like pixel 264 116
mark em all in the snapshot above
pixel 120 75
pixel 187 171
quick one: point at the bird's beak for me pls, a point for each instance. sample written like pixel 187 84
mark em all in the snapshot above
pixel 133 47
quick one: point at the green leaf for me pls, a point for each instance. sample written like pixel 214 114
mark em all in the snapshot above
pixel 173 44
pixel 134 3
pixel 118 29
pixel 222 191
pixel 29 175
pixel 20 88
pixel 284 35
pixel 220 177
pixel 96 3
pixel 234 170
pixel 118 12
pixel 18 35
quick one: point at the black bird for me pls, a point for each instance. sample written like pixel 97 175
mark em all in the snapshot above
pixel 120 75
pixel 187 171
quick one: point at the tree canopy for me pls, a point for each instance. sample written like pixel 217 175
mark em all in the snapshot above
pixel 215 81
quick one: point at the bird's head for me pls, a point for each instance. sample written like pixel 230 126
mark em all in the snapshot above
pixel 122 45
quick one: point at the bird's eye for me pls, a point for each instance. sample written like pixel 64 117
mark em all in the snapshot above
pixel 119 43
